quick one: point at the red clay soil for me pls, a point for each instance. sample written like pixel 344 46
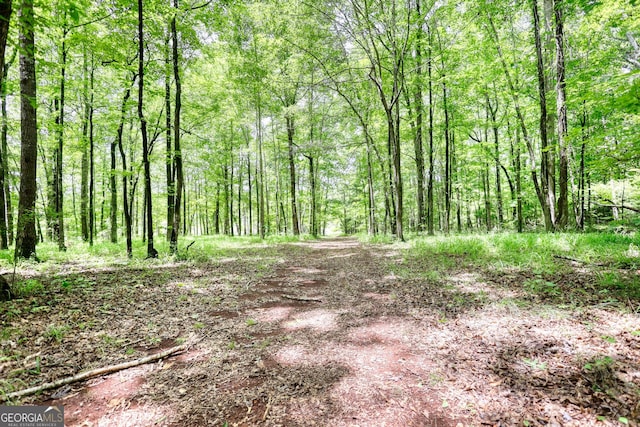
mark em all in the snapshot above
pixel 325 333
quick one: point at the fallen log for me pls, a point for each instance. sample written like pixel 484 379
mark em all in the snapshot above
pixel 94 373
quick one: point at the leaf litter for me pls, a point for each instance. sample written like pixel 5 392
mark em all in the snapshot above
pixel 332 332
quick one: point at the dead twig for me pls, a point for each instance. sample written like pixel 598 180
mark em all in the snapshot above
pixel 579 261
pixel 266 410
pixel 94 373
pixel 303 299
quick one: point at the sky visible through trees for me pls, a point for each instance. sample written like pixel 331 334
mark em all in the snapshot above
pixel 164 118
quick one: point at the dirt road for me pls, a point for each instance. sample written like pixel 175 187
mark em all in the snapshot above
pixel 337 333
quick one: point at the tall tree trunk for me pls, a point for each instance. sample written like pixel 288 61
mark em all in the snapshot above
pixel 92 173
pixel 26 238
pixel 562 218
pixel 260 187
pixel 113 191
pixel 418 141
pixel 151 251
pixel 177 150
pixel 520 220
pixel 127 176
pixel 430 178
pixel 84 184
pixel 523 127
pixel 583 146
pixel 312 181
pixel 493 113
pixel 547 164
pixel 371 194
pixel 58 225
pixel 5 16
pixel 447 158
pixel 394 135
pixel 292 174
pixel 168 135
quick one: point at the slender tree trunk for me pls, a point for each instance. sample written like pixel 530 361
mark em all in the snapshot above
pixel 5 16
pixel 546 172
pixel 5 150
pixel 447 159
pixel 418 141
pixel 261 199
pixel 562 218
pixel 168 136
pixel 583 146
pixel 520 220
pixel 177 151
pixel 113 190
pixel 521 121
pixel 493 113
pixel 371 194
pixel 92 173
pixel 127 176
pixel 151 251
pixel 430 178
pixel 84 184
pixel 26 238
pixel 312 181
pixel 58 223
pixel 292 175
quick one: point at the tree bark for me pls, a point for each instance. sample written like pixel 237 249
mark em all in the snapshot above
pixel 151 251
pixel 562 218
pixel 430 178
pixel 418 140
pixel 523 127
pixel 26 238
pixel 5 16
pixel 58 223
pixel 547 164
pixel 84 185
pixel 177 149
pixel 92 174
pixel 292 174
pixel 127 175
pixel 493 112
pixel 168 135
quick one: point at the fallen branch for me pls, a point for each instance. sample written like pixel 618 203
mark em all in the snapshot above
pixel 94 373
pixel 613 205
pixel 304 299
pixel 579 261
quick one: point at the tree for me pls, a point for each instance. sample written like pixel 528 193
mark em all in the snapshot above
pixel 151 251
pixel 561 107
pixel 5 17
pixel 26 238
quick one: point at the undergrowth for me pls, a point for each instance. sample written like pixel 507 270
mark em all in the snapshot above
pixel 556 266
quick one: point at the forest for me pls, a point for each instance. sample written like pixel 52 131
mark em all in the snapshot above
pixel 264 118
pixel 321 212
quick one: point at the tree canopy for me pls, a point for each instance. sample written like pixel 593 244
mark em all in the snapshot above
pixel 266 117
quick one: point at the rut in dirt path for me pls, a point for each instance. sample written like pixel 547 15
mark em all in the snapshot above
pixel 335 351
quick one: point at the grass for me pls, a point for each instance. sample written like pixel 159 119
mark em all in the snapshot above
pixel 556 266
pixel 534 251
pixel 81 256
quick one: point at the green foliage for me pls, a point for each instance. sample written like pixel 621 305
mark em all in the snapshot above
pixel 28 288
pixel 542 287
pixel 599 364
pixel 56 332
